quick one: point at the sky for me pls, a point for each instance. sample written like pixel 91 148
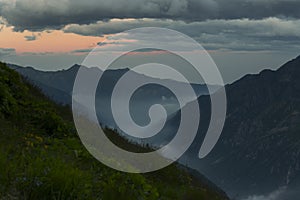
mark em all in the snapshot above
pixel 242 36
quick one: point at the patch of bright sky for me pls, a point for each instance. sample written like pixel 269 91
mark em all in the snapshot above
pixel 47 41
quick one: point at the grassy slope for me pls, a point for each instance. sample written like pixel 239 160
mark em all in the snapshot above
pixel 42 158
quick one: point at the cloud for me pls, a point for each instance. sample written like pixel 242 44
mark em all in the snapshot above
pixel 2 23
pixel 103 45
pixel 238 34
pixel 54 14
pixel 82 51
pixel 30 37
pixel 265 27
pixel 238 25
pixel 106 43
pixel 101 28
pixel 272 196
pixel 4 52
pixel 37 53
pixel 283 193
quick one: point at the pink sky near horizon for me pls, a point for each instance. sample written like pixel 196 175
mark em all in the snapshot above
pixel 51 42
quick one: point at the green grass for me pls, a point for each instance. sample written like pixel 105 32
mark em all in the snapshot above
pixel 41 156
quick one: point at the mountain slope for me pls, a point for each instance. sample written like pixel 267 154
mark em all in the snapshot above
pixel 259 149
pixel 58 85
pixel 41 157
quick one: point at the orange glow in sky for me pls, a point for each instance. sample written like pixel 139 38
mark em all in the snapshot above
pixel 54 41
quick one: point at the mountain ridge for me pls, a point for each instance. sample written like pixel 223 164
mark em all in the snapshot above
pixel 259 149
pixel 41 156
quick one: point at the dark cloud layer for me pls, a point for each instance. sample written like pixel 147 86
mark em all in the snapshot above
pixel 43 14
pixel 239 25
pixel 238 35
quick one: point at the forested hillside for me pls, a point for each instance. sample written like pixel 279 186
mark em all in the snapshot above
pixel 41 156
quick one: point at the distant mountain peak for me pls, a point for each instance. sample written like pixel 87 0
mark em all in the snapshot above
pixel 75 68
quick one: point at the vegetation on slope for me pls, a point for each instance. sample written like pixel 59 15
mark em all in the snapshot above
pixel 41 156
